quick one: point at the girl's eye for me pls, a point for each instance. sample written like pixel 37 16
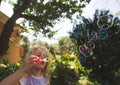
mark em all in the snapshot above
pixel 42 57
pixel 38 55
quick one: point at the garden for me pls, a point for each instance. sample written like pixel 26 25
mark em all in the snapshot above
pixel 88 56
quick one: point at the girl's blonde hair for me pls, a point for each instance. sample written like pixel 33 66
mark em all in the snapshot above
pixel 45 71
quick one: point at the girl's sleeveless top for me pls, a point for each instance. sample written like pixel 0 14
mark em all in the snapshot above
pixel 33 80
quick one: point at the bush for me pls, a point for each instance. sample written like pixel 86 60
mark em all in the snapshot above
pixel 8 69
pixel 66 70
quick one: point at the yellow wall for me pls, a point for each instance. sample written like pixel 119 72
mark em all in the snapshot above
pixel 12 55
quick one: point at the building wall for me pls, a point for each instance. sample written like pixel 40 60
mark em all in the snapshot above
pixel 12 55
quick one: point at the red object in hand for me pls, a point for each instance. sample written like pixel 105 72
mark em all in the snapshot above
pixel 37 59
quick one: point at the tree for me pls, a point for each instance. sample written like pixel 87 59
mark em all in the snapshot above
pixel 0 1
pixel 105 59
pixel 40 16
pixel 66 45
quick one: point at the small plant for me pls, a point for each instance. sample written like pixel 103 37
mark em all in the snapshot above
pixel 8 69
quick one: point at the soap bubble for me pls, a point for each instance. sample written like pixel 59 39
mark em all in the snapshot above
pixel 92 37
pixel 104 20
pixel 81 58
pixel 83 26
pixel 90 45
pixel 77 34
pixel 85 51
pixel 84 33
pixel 102 34
pixel 105 27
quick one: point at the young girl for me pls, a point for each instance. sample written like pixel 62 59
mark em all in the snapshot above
pixel 35 70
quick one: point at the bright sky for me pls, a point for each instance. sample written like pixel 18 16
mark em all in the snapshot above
pixel 112 5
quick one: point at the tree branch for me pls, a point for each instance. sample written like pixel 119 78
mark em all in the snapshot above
pixel 31 17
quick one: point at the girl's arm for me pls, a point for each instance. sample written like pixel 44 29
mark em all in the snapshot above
pixel 14 78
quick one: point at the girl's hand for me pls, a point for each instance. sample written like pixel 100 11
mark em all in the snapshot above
pixel 28 63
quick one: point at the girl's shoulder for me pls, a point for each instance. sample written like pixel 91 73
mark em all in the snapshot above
pixel 23 80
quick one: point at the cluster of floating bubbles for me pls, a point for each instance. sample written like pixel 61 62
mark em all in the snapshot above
pixel 82 31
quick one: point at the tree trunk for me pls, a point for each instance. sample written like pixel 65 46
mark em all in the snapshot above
pixel 0 1
pixel 8 28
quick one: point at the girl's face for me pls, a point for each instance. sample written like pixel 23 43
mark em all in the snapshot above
pixel 41 54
